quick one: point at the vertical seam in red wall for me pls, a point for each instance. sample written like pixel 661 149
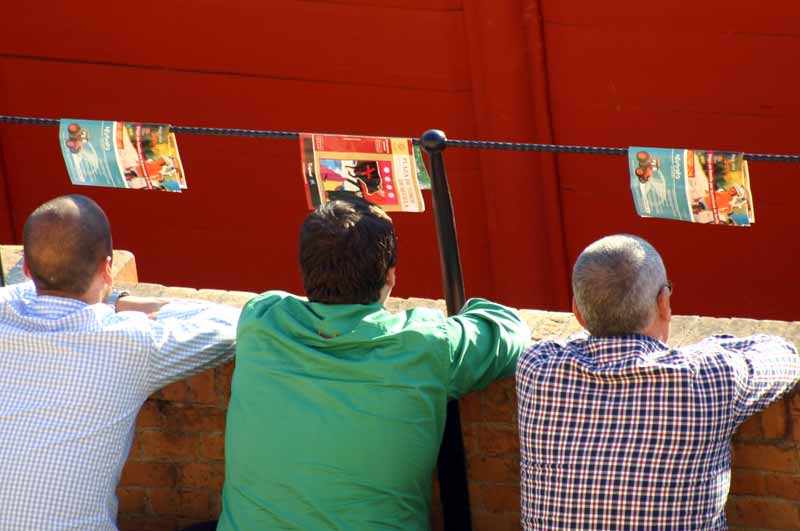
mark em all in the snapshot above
pixel 539 82
pixel 7 193
pixel 4 175
pixel 488 206
pixel 523 257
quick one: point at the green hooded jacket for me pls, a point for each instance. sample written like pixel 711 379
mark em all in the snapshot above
pixel 337 411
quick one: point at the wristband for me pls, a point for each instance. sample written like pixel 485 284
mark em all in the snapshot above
pixel 116 295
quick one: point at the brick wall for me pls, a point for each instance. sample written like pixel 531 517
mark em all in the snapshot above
pixel 175 471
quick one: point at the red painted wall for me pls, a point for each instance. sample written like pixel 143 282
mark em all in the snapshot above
pixel 570 71
pixel 707 74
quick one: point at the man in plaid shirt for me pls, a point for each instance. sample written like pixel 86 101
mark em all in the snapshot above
pixel 618 430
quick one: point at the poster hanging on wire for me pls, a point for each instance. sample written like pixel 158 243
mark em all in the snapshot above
pixel 121 155
pixel 384 171
pixel 691 185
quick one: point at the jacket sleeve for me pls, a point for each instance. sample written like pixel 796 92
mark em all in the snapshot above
pixel 485 341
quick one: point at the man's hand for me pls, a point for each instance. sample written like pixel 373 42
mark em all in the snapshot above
pixel 148 305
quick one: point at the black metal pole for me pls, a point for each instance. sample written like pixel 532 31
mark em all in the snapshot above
pixel 451 465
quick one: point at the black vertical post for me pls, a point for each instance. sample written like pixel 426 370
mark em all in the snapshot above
pixel 451 465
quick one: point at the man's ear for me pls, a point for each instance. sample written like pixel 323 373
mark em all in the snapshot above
pixel 391 277
pixel 577 313
pixel 663 304
pixel 105 270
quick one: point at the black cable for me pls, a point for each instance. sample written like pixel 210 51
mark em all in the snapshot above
pixel 473 144
pixel 253 133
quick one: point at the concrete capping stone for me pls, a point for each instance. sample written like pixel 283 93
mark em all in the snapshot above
pixel 11 256
pixel 686 329
pixel 179 293
pixel 237 298
pixel 211 295
pixel 129 286
pixel 544 325
pixel 123 268
pixel 145 289
pixel 682 329
pixel 231 298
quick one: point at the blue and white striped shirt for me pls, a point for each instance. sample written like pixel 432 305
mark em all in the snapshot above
pixel 626 433
pixel 73 377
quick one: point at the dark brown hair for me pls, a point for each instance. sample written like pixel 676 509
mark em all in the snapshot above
pixel 346 250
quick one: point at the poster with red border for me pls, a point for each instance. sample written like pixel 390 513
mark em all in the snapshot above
pixel 381 170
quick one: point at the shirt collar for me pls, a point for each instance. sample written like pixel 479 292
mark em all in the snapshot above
pixel 333 320
pixel 51 307
pixel 614 348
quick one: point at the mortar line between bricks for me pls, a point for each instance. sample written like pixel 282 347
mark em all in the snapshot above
pixel 767 498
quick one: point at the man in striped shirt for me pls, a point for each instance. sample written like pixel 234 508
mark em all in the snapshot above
pixel 74 372
pixel 620 431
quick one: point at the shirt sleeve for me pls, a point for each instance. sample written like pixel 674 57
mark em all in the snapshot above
pixel 23 290
pixel 190 338
pixel 485 341
pixel 766 367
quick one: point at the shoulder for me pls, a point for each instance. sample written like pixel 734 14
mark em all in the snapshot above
pixel 22 291
pixel 542 351
pixel 267 309
pixel 264 301
pixel 423 316
pixel 424 323
pixel 422 328
pixel 123 321
pixel 132 329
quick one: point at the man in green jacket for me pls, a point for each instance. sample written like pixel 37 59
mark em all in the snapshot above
pixel 338 406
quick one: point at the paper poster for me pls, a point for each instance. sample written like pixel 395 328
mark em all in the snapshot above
pixel 121 155
pixel 382 170
pixel 691 185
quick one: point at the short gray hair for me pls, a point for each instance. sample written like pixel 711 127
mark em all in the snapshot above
pixel 616 281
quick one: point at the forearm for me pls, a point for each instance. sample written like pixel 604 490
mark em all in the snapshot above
pixel 491 337
pixel 190 338
pixel 770 367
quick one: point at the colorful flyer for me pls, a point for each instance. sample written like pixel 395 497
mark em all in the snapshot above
pixel 382 170
pixel 121 155
pixel 691 185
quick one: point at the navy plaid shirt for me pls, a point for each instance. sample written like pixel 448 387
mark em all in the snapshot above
pixel 626 433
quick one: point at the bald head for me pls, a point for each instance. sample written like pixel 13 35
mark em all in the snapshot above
pixel 65 240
